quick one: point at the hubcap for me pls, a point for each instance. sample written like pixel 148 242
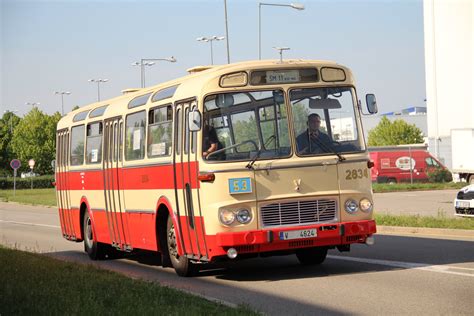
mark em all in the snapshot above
pixel 88 234
pixel 172 242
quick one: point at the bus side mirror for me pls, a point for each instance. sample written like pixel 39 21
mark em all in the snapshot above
pixel 194 120
pixel 371 103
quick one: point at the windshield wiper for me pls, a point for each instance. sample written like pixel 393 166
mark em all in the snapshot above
pixel 329 149
pixel 259 152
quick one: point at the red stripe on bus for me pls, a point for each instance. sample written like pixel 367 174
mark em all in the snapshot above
pixel 140 178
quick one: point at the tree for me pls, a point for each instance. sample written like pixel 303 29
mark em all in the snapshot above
pixel 35 138
pixel 398 132
pixel 8 123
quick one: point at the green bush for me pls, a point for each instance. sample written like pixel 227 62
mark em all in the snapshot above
pixel 25 183
pixel 440 175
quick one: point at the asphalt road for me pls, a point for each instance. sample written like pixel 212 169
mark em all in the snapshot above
pixel 399 275
pixel 423 203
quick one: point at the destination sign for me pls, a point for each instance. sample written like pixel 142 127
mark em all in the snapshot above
pixel 283 76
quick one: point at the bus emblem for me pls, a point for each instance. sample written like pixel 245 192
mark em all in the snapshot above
pixel 297 183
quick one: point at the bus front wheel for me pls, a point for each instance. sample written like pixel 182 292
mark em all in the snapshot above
pixel 94 249
pixel 310 256
pixel 182 265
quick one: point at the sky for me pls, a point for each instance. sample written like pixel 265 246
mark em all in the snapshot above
pixel 49 46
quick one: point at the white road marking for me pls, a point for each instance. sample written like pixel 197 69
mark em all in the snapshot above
pixel 30 224
pixel 410 265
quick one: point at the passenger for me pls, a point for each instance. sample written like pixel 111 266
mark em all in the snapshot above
pixel 211 143
pixel 312 140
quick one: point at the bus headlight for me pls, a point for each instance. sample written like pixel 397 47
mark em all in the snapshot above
pixel 351 206
pixel 244 216
pixel 365 205
pixel 226 217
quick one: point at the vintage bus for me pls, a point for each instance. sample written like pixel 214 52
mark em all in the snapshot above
pixel 135 172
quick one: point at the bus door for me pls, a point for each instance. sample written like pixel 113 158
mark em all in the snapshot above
pixel 188 208
pixel 113 184
pixel 63 189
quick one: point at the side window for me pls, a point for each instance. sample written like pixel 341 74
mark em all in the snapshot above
pixel 120 141
pixel 160 130
pixel 94 143
pixel 77 145
pixel 186 131
pixel 194 134
pixel 179 131
pixel 135 136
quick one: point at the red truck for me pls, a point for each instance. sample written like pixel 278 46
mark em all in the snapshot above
pixel 393 164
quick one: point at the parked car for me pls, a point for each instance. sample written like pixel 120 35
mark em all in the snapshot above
pixel 393 165
pixel 464 201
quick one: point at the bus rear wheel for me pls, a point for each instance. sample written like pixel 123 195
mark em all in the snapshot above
pixel 312 256
pixel 94 249
pixel 182 265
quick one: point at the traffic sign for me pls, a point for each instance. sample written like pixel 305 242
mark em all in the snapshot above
pixel 31 163
pixel 15 164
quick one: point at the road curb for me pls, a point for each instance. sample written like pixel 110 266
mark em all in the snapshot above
pixel 393 230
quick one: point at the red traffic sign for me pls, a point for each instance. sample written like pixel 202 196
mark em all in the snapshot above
pixel 15 164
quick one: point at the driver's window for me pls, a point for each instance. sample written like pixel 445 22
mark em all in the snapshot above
pixel 430 162
pixel 324 120
pixel 221 125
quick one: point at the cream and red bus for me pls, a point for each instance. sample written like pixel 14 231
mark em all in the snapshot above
pixel 135 172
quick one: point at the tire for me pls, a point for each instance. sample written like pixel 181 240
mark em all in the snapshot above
pixel 392 181
pixel 470 180
pixel 94 249
pixel 312 256
pixel 182 265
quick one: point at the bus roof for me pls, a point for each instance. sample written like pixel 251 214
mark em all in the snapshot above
pixel 192 84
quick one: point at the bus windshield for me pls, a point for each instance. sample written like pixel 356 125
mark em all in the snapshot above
pixel 247 124
pixel 324 121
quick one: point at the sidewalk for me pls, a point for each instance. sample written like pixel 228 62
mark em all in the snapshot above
pixel 428 232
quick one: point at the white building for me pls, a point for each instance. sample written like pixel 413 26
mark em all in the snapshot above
pixel 449 54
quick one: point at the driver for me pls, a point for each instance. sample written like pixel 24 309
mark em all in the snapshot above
pixel 312 140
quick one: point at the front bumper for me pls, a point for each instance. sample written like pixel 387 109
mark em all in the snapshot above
pixel 268 240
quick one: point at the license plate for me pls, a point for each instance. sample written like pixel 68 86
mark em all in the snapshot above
pixel 463 204
pixel 298 234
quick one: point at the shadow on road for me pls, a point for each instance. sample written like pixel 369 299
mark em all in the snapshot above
pixel 392 248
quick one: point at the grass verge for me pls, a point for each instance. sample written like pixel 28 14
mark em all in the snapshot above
pixel 385 187
pixel 424 221
pixel 27 196
pixel 34 284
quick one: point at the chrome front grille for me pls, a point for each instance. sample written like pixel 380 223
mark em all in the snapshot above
pixel 298 212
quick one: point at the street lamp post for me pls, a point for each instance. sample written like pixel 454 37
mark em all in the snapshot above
pixel 210 39
pixel 11 117
pixel 149 62
pixel 296 6
pixel 98 81
pixel 62 93
pixel 280 50
pixel 33 104
pixel 226 32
